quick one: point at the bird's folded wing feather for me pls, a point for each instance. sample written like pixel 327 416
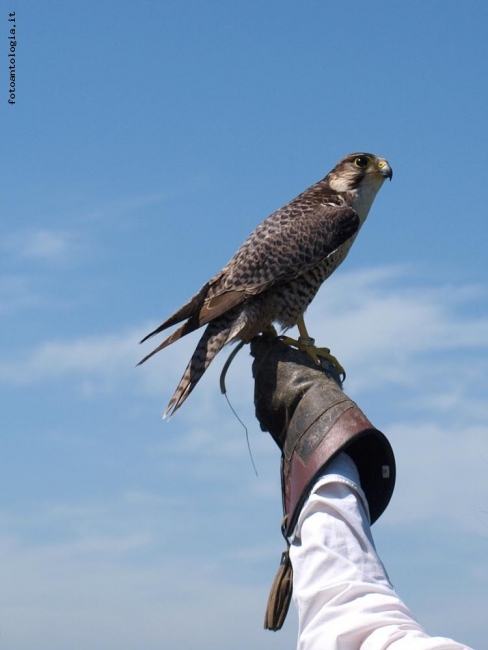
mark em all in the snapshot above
pixel 286 244
pixel 280 249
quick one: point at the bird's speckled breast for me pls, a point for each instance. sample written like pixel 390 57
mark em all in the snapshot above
pixel 285 303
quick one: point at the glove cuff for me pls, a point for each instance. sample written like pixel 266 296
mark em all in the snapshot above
pixel 311 443
pixel 342 427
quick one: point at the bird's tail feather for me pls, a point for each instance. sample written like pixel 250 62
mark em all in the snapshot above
pixel 189 310
pixel 214 338
pixel 186 328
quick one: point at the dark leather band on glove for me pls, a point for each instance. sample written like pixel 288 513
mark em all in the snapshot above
pixel 312 421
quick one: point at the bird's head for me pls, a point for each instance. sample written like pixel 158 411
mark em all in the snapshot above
pixel 364 172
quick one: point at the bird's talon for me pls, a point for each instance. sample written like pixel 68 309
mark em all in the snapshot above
pixel 325 354
pixel 314 353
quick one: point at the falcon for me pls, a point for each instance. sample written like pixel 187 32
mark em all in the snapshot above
pixel 277 271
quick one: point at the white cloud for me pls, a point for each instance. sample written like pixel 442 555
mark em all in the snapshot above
pixel 41 245
pixel 100 356
pixel 383 329
pixel 108 605
pixel 115 208
pixel 197 563
pixel 417 358
pixel 16 293
pixel 94 364
pixel 371 314
pixel 106 590
pixel 442 475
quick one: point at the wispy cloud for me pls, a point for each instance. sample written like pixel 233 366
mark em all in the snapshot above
pixel 115 208
pixel 128 563
pixel 16 293
pixel 382 327
pixel 417 358
pixel 96 365
pixel 119 604
pixel 442 474
pixel 41 245
pixel 417 361
pixel 100 356
pixel 384 311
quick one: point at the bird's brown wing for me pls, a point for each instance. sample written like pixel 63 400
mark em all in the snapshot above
pixel 280 249
pixel 286 244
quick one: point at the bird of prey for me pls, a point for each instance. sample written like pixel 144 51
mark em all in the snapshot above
pixel 277 271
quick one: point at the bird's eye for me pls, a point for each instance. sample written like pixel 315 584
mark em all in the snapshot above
pixel 361 161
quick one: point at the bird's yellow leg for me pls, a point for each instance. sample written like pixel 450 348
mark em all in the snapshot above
pixel 268 331
pixel 306 344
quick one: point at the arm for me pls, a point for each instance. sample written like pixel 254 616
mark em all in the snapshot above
pixel 338 475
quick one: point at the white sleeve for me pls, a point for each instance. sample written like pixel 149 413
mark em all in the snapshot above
pixel 344 598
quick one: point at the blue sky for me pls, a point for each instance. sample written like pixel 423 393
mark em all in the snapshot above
pixel 146 142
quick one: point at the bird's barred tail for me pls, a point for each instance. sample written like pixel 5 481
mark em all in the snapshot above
pixel 214 338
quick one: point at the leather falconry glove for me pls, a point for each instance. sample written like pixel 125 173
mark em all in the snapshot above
pixel 312 420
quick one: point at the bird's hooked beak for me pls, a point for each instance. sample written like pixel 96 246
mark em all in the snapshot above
pixel 384 168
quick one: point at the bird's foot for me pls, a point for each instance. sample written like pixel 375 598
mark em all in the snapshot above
pixel 307 345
